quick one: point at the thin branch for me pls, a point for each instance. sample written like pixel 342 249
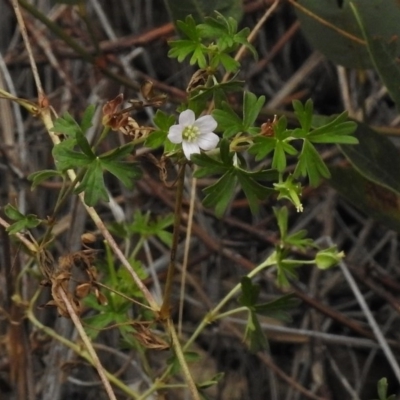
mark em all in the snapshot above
pixel 88 344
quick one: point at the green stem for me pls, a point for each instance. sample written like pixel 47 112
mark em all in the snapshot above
pixel 138 246
pixel 182 361
pixel 213 314
pixel 165 308
pixel 230 312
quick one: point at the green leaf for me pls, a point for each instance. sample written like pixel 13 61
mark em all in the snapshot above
pixel 262 147
pixel 220 193
pixel 254 335
pixel 40 176
pixel 382 390
pixel 93 184
pixel 84 145
pixel 163 122
pixel 252 189
pixel 299 240
pixel 231 124
pixel 94 324
pixel 228 62
pixel 281 215
pixel 86 122
pixel 181 49
pixel 66 125
pixel 376 157
pixel 65 158
pixel 13 213
pixel 250 293
pixel 128 173
pixel 219 28
pixel 218 91
pixel 304 113
pixel 208 165
pixel 142 225
pixel 279 144
pixel 286 270
pixel 228 121
pixel 251 108
pixel 117 153
pixel 311 164
pixel 22 221
pixel 290 190
pixel 278 308
pixel 336 131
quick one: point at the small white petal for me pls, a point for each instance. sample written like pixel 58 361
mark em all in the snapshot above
pixel 208 141
pixel 187 117
pixel 206 123
pixel 175 133
pixel 190 148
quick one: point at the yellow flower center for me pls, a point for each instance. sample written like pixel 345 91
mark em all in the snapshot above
pixel 190 133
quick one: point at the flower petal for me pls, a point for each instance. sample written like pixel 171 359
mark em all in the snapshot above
pixel 208 141
pixel 187 117
pixel 190 148
pixel 175 133
pixel 206 123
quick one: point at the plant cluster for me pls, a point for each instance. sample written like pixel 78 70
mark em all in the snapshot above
pixel 211 137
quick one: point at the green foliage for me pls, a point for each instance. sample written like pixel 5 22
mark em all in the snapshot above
pixel 40 176
pixel 231 124
pixel 286 267
pixel 91 166
pixel 22 221
pixel 310 164
pixel 297 239
pixel 201 94
pixel 158 137
pixel 382 390
pixel 143 226
pixel 234 162
pixel 338 130
pixel 220 193
pixel 278 308
pixel 290 190
pixel 244 134
pixel 279 144
pixel 115 310
pixel 209 45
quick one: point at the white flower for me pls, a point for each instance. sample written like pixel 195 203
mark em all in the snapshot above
pixel 194 134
